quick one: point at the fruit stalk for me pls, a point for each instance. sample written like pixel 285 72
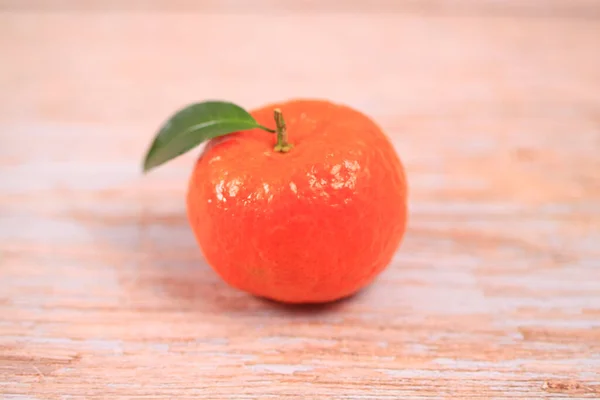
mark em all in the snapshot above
pixel 282 144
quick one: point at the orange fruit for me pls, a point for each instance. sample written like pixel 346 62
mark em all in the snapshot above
pixel 311 225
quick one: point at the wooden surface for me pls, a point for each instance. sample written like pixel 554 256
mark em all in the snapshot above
pixel 493 106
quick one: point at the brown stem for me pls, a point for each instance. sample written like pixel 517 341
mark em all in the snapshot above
pixel 282 145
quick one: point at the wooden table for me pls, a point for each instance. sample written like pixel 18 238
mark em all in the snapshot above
pixel 493 106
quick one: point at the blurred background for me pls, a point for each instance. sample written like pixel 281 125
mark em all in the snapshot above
pixel 494 107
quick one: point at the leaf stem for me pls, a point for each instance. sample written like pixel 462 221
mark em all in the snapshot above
pixel 267 129
pixel 282 145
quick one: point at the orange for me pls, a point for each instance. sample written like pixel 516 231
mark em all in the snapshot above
pixel 311 225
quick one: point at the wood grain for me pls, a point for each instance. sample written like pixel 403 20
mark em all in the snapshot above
pixel 494 294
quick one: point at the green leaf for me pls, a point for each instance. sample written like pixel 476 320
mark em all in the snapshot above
pixel 194 124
